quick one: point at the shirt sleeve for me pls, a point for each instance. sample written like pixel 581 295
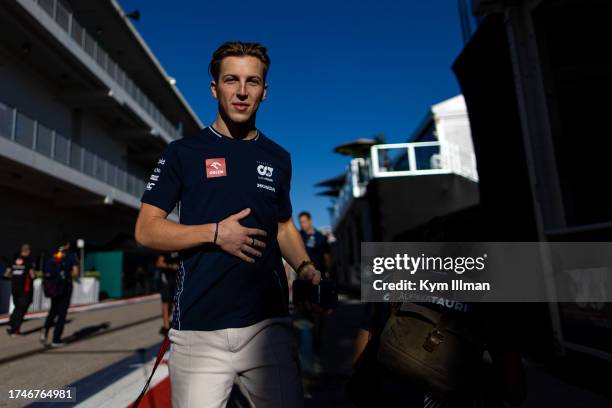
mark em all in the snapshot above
pixel 284 205
pixel 164 185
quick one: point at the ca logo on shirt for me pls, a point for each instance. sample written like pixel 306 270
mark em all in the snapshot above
pixel 216 168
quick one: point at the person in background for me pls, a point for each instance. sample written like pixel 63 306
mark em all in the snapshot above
pixel 22 289
pixel 316 244
pixel 167 265
pixel 319 252
pixel 66 264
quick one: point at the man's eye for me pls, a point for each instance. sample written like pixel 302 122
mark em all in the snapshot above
pixel 230 80
pixel 254 81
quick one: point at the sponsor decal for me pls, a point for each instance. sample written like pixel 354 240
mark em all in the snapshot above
pixel 216 168
pixel 266 187
pixel 264 173
pixel 311 241
pixel 265 170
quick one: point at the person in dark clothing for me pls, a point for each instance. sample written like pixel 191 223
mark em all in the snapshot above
pixel 22 271
pixel 66 265
pixel 167 265
pixel 319 252
pixel 316 244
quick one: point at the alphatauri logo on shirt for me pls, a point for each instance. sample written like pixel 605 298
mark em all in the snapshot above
pixel 215 168
pixel 265 170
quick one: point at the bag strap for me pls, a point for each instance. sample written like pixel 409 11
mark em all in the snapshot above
pixel 393 308
pixel 160 355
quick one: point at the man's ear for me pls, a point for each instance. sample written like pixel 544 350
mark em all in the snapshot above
pixel 213 89
pixel 265 93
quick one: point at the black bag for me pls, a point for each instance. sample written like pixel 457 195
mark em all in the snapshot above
pixel 54 278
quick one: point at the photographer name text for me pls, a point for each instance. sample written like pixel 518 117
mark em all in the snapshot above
pixel 425 285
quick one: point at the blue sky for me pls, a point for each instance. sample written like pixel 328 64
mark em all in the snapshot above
pixel 340 70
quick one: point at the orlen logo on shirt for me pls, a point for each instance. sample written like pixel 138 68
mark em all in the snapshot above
pixel 215 168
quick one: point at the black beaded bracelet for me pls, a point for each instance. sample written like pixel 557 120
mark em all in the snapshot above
pixel 303 265
pixel 216 233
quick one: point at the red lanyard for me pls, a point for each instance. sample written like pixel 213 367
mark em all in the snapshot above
pixel 160 355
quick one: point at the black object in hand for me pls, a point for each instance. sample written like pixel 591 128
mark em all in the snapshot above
pixel 324 294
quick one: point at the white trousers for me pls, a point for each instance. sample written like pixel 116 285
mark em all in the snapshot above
pixel 204 364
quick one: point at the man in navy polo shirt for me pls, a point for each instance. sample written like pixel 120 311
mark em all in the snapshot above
pixel 231 184
pixel 316 243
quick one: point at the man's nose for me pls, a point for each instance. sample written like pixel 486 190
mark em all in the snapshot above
pixel 242 91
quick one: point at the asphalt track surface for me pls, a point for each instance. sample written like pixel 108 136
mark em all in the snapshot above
pixel 96 340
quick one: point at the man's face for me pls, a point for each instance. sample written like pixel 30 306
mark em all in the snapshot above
pixel 305 223
pixel 240 87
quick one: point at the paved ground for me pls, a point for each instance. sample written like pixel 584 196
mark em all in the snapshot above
pixel 97 339
pixel 111 352
pixel 327 388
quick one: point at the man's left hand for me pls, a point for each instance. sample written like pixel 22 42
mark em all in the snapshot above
pixel 310 273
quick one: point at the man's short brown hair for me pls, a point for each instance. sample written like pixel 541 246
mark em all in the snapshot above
pixel 238 49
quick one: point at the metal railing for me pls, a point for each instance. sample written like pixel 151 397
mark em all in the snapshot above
pixel 30 133
pixel 411 159
pixel 66 21
pixel 398 160
pixel 407 159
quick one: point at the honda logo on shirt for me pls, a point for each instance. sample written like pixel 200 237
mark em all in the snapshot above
pixel 215 168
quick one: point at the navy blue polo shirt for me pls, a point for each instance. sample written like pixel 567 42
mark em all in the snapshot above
pixel 316 247
pixel 210 177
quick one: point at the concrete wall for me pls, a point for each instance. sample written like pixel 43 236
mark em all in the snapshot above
pixel 95 137
pixel 20 87
pixel 23 89
pixel 455 136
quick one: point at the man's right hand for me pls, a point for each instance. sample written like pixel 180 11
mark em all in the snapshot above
pixel 237 240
